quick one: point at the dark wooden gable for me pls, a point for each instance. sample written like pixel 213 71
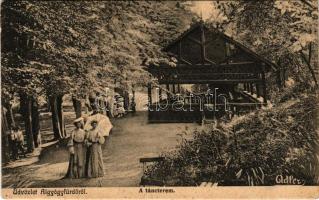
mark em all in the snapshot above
pixel 202 46
pixel 207 56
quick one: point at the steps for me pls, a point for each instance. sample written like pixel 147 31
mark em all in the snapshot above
pixel 208 184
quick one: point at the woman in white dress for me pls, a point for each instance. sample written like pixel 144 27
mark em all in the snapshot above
pixel 77 150
pixel 95 159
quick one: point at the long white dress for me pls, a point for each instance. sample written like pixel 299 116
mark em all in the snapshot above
pixel 95 158
pixel 77 149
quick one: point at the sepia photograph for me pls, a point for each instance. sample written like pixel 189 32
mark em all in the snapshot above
pixel 159 98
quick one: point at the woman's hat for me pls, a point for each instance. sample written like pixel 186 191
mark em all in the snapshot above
pixel 80 119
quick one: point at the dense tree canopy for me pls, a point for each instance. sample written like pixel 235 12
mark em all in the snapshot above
pixel 282 31
pixel 53 48
pixel 59 47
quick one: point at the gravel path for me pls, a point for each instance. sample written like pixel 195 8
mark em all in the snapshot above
pixel 132 138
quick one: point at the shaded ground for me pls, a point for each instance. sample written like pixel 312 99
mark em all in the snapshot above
pixel 131 139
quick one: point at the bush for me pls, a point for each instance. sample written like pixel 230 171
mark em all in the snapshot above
pixel 251 150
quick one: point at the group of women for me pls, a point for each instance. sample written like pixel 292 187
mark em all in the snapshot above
pixel 85 151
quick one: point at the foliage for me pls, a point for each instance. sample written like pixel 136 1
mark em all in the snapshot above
pixel 278 30
pixel 273 27
pixel 250 150
pixel 70 47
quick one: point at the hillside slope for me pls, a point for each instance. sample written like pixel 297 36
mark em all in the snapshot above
pixel 260 148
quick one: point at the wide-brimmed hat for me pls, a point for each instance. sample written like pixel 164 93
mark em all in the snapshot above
pixel 78 120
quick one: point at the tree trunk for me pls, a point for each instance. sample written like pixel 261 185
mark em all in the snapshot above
pixel 5 149
pixel 9 115
pixel 77 107
pixel 61 115
pixel 48 104
pixel 126 100
pixel 35 122
pixel 133 92
pixel 303 56
pixel 25 103
pixel 55 118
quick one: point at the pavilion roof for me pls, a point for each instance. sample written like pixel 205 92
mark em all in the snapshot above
pixel 228 39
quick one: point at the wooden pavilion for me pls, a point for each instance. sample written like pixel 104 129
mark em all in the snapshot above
pixel 208 56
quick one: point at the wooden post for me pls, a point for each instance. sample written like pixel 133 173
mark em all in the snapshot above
pixel 167 91
pixel 149 92
pixel 245 86
pixel 174 92
pixel 160 94
pixel 258 89
pixel 178 88
pixel 251 85
pixel 248 87
pixel 234 92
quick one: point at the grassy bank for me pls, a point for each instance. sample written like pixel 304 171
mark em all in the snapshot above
pixel 249 150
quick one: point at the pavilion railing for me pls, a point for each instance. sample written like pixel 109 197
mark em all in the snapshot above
pixel 196 112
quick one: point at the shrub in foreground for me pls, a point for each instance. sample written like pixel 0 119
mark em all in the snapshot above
pixel 252 150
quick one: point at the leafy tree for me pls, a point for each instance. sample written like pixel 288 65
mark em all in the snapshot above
pixel 57 48
pixel 282 31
